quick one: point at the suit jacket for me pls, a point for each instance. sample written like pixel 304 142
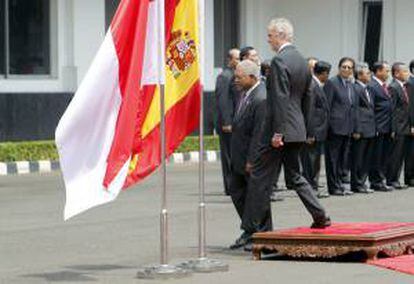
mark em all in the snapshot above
pixel 320 113
pixel 400 119
pixel 364 122
pixel 226 97
pixel 410 88
pixel 247 128
pixel 341 102
pixel 288 97
pixel 383 107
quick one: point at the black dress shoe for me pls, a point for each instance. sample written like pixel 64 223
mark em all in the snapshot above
pixel 397 186
pixel 382 188
pixel 248 246
pixel 323 194
pixel 337 192
pixel 363 190
pixel 348 192
pixel 276 197
pixel 321 223
pixel 242 241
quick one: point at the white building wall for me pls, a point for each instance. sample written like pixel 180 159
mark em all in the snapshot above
pixel 329 29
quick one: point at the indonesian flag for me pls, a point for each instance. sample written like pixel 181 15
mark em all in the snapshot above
pixel 109 137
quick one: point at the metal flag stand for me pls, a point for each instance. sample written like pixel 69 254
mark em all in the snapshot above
pixel 203 263
pixel 163 270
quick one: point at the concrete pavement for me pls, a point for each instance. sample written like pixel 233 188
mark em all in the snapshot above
pixel 107 244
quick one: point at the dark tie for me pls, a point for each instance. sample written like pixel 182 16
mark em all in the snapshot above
pixel 242 104
pixel 406 98
pixel 348 87
pixel 385 88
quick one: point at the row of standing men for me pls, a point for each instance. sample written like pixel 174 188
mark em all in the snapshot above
pixel 364 125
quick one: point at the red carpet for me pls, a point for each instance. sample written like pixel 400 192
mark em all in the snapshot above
pixel 404 263
pixel 346 229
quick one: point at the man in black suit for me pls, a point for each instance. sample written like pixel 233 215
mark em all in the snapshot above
pixel 247 126
pixel 378 89
pixel 409 157
pixel 288 108
pixel 364 131
pixel 249 52
pixel 400 123
pixel 340 93
pixel 226 97
pixel 311 153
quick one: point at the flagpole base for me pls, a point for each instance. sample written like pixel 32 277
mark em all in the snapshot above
pixel 166 271
pixel 205 265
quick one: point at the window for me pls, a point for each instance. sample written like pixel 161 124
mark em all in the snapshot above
pixel 26 35
pixel 110 9
pixel 2 36
pixel 372 31
pixel 226 29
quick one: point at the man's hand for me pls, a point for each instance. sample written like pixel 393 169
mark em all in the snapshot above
pixel 392 135
pixel 356 136
pixel 412 131
pixel 226 129
pixel 277 140
pixel 248 168
pixel 310 140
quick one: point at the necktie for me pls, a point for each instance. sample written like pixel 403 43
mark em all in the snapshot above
pixel 406 98
pixel 348 86
pixel 385 88
pixel 368 96
pixel 242 103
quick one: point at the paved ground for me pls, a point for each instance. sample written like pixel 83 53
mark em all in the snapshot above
pixel 108 244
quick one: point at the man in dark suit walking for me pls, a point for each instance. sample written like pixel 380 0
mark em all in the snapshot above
pixel 409 157
pixel 226 97
pixel 311 153
pixel 364 131
pixel 288 108
pixel 340 93
pixel 400 123
pixel 378 89
pixel 247 126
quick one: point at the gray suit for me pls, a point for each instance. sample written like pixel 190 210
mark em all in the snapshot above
pixel 247 126
pixel 226 96
pixel 289 107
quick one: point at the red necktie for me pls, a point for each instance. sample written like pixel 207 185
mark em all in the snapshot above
pixel 385 88
pixel 407 99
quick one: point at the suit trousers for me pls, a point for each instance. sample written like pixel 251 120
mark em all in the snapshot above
pixel 345 169
pixel 311 163
pixel 238 191
pixel 379 160
pixel 409 162
pixel 361 150
pixel 335 156
pixel 257 211
pixel 396 160
pixel 225 151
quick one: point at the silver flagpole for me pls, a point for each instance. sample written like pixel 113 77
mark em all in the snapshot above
pixel 203 263
pixel 163 270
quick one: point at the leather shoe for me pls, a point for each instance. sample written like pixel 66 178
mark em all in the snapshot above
pixel 337 193
pixel 321 195
pixel 398 186
pixel 348 192
pixel 242 241
pixel 248 246
pixel 382 188
pixel 321 223
pixel 276 197
pixel 363 190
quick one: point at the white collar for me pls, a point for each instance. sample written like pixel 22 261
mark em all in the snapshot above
pixel 317 81
pixel 252 89
pixel 400 83
pixel 361 83
pixel 378 80
pixel 283 46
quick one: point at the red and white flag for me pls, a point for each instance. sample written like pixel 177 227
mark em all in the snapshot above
pixel 108 138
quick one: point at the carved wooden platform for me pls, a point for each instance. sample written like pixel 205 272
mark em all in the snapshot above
pixel 390 239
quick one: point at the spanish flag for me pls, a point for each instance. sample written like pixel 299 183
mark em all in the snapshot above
pixel 109 137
